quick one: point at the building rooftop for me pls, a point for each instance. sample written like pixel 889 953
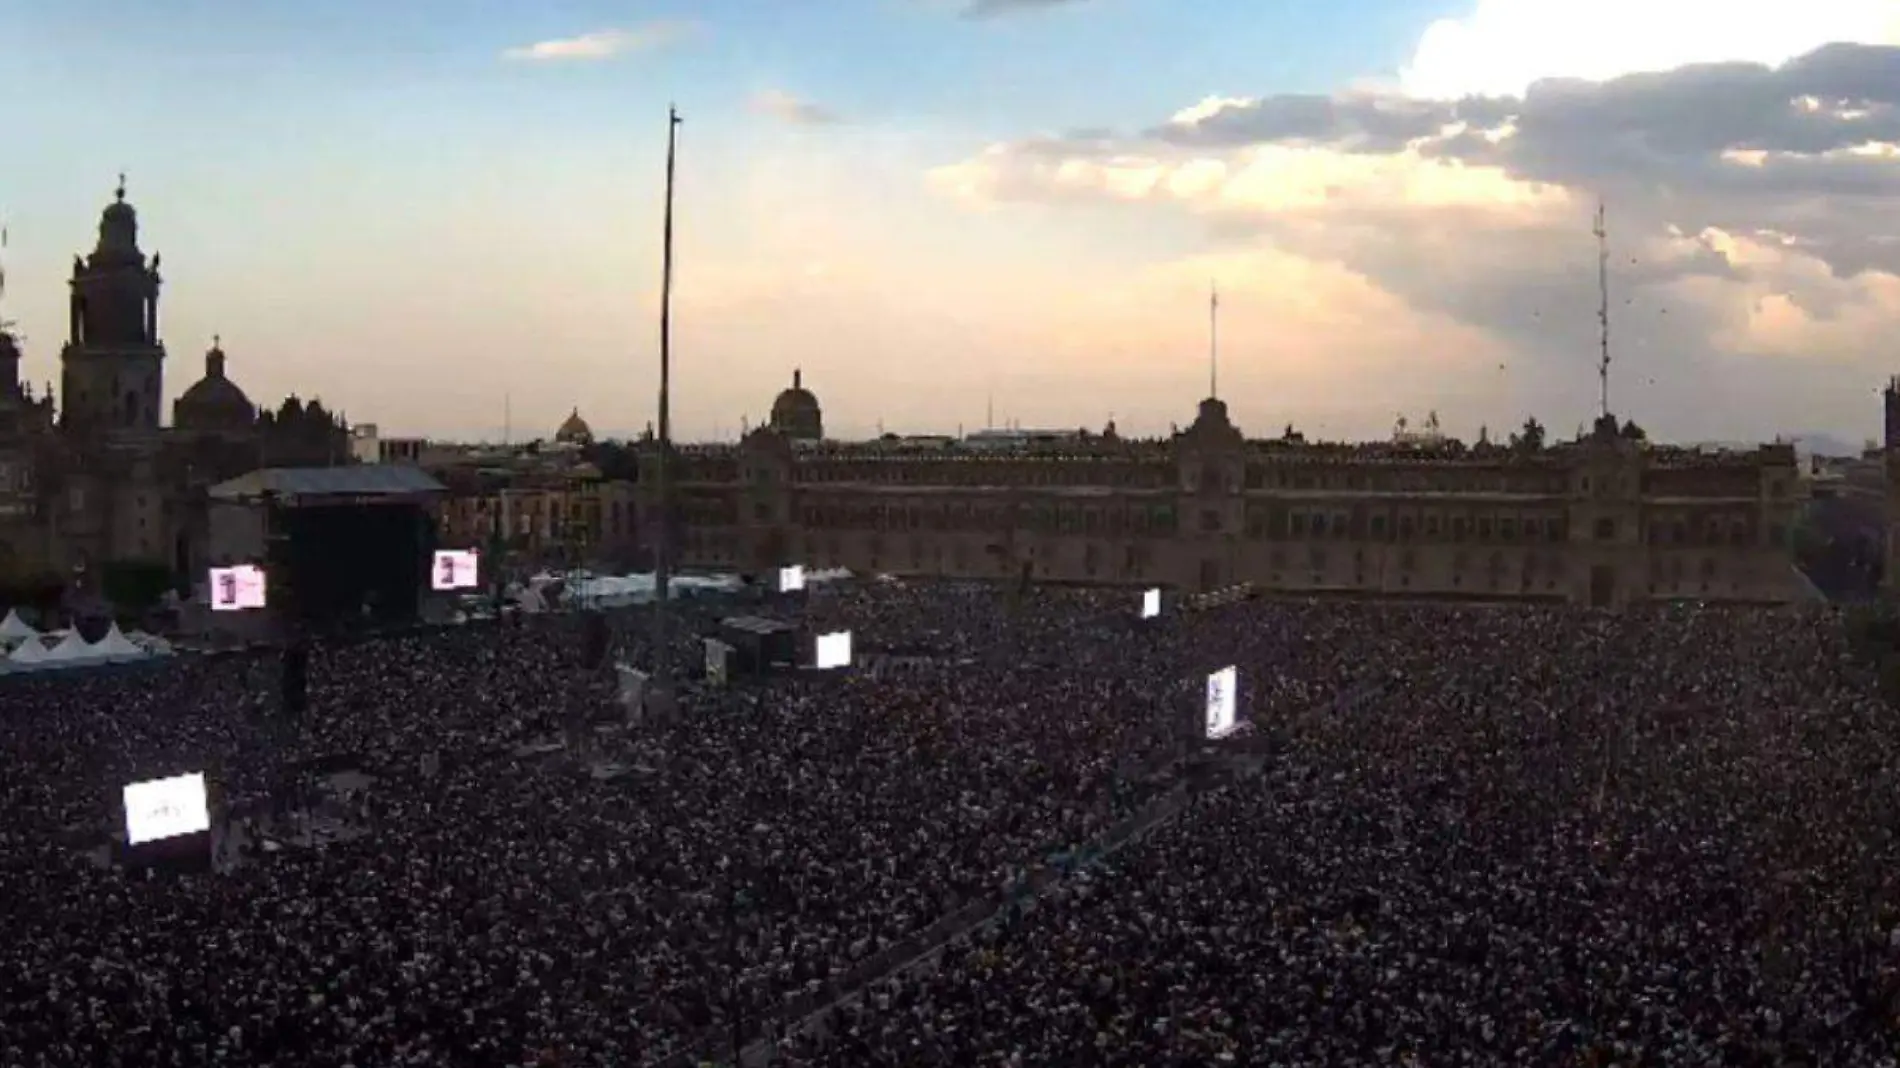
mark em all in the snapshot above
pixel 355 480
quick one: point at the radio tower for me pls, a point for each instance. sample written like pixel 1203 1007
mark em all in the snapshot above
pixel 1603 312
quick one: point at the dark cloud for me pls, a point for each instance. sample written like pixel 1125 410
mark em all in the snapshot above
pixel 986 9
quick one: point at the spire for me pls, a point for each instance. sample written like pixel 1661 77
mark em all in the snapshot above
pixel 214 358
pixel 1603 311
pixel 118 194
pixel 798 378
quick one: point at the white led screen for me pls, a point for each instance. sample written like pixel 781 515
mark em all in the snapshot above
pixel 455 569
pixel 1221 687
pixel 237 588
pixel 166 808
pixel 834 650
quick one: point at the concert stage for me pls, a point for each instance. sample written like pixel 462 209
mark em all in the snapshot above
pixel 342 547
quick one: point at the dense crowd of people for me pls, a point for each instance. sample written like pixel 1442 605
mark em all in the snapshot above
pixel 1474 836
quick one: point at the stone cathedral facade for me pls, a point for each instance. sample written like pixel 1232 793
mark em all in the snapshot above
pixel 93 476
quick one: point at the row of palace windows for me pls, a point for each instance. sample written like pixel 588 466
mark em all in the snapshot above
pixel 1380 526
pixel 1160 519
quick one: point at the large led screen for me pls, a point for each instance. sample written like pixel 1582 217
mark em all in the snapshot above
pixel 1221 687
pixel 235 589
pixel 1150 603
pixel 834 650
pixel 454 569
pixel 166 808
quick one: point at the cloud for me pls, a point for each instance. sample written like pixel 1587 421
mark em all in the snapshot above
pixel 781 105
pixel 602 44
pixel 1754 192
pixel 985 9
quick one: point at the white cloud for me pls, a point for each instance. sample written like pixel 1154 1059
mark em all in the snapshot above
pixel 1505 45
pixel 602 44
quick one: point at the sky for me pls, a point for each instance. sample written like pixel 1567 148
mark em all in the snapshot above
pixel 445 217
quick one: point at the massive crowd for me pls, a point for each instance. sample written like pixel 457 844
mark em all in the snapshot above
pixel 1474 836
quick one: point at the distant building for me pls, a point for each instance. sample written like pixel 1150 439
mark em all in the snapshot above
pixel 1608 520
pixel 367 446
pixel 106 483
pixel 534 506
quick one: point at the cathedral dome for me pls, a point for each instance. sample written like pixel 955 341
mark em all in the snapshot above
pixel 118 225
pixel 796 413
pixel 574 430
pixel 214 402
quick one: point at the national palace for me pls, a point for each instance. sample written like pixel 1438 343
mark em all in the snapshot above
pixel 1606 520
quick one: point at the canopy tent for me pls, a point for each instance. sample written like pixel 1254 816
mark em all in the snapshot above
pixel 116 646
pixel 13 628
pixel 31 651
pixel 151 643
pixel 72 649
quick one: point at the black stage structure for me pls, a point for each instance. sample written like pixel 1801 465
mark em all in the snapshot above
pixel 344 548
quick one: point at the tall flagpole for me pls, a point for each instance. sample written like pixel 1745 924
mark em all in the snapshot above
pixel 663 536
pixel 1213 341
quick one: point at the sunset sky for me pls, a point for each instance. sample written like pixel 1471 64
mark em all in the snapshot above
pixel 418 210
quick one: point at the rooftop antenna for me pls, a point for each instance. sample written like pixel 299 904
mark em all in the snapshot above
pixel 989 412
pixel 1213 341
pixel 507 418
pixel 1603 311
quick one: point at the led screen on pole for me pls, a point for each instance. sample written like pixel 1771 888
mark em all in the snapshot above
pixel 455 569
pixel 791 579
pixel 834 650
pixel 238 588
pixel 166 808
pixel 1221 687
pixel 1150 603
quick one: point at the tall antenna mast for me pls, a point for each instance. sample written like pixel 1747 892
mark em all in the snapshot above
pixel 1213 341
pixel 507 419
pixel 662 536
pixel 989 412
pixel 1603 311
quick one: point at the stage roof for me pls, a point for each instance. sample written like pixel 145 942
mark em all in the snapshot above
pixel 353 480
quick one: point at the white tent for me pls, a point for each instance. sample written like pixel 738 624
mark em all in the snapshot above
pixel 151 643
pixel 72 649
pixel 14 629
pixel 31 651
pixel 116 646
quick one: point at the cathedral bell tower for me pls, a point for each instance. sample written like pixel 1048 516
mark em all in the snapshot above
pixel 112 366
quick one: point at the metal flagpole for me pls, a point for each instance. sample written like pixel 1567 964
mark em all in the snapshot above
pixel 1213 340
pixel 662 683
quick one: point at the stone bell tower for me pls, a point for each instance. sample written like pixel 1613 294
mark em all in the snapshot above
pixel 112 366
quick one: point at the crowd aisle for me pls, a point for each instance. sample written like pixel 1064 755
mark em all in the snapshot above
pixel 1532 834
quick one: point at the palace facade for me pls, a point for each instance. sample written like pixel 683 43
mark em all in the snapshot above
pixel 1607 520
pixel 98 479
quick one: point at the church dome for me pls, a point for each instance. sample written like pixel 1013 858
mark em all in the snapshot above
pixel 214 402
pixel 118 226
pixel 574 430
pixel 796 413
